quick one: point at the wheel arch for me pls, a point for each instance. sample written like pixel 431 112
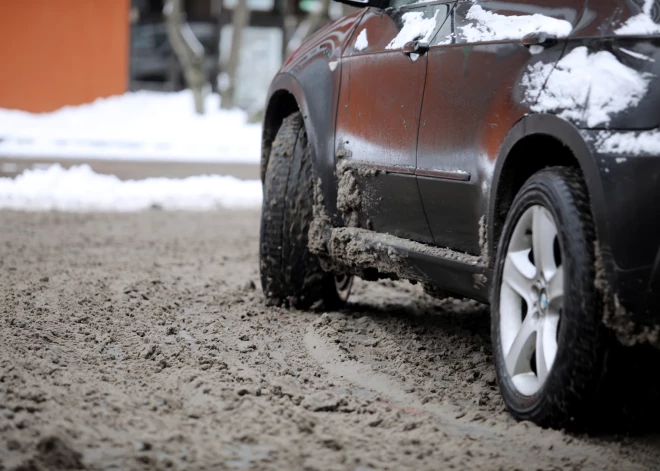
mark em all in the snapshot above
pixel 281 103
pixel 559 143
pixel 317 105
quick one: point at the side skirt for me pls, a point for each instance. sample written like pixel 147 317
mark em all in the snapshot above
pixel 361 251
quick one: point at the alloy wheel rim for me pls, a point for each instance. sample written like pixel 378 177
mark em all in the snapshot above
pixel 531 300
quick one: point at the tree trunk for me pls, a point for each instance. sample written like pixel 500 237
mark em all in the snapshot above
pixel 240 19
pixel 311 24
pixel 319 19
pixel 189 51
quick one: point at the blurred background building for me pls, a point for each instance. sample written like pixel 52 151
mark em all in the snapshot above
pixel 75 50
pixel 155 67
pixel 81 50
pixel 143 88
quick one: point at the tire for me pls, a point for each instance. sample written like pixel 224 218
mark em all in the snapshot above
pixel 570 323
pixel 290 274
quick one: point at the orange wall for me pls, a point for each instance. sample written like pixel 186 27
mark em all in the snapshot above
pixel 62 52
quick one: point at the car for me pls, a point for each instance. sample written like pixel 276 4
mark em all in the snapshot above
pixel 507 152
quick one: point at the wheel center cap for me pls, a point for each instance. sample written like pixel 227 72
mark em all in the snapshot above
pixel 543 300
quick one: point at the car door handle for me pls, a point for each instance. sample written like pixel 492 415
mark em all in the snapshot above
pixel 539 39
pixel 415 47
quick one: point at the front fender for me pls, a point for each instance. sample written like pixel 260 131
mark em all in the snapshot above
pixel 312 75
pixel 570 136
pixel 319 124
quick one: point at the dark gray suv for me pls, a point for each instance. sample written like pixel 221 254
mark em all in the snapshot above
pixel 505 151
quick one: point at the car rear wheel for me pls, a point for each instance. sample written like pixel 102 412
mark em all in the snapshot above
pixel 548 338
pixel 290 273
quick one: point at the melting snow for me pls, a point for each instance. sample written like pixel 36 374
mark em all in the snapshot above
pixel 629 143
pixel 135 126
pixel 641 24
pixel 490 26
pixel 638 25
pixel 636 55
pixel 80 189
pixel 415 26
pixel 361 43
pixel 583 86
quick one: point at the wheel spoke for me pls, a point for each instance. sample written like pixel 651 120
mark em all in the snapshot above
pixel 518 357
pixel 546 345
pixel 544 232
pixel 519 274
pixel 555 290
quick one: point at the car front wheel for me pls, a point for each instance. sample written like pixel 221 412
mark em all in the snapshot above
pixel 548 338
pixel 290 273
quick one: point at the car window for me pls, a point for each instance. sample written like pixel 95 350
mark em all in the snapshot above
pixel 421 22
pixel 444 34
pixel 402 3
pixel 494 20
pixel 393 28
pixel 412 3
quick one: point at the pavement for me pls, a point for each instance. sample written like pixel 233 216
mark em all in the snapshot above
pixel 142 341
pixel 133 169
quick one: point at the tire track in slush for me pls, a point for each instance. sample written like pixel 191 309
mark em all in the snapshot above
pixel 329 356
pixel 516 441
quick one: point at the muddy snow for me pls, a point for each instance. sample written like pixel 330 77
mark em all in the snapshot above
pixel 141 341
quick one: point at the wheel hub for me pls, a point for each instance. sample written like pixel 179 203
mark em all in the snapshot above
pixel 543 301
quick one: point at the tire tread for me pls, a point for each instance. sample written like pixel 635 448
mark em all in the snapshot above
pixel 576 376
pixel 290 273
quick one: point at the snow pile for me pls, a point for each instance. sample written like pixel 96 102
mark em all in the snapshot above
pixel 490 26
pixel 415 27
pixel 361 43
pixel 641 24
pixel 80 189
pixel 584 87
pixel 629 143
pixel 135 126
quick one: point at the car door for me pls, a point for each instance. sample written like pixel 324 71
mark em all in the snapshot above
pixel 382 85
pixel 471 101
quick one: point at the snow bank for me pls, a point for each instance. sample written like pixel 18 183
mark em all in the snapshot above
pixel 583 86
pixel 629 143
pixel 415 26
pixel 641 24
pixel 361 43
pixel 490 26
pixel 135 126
pixel 80 189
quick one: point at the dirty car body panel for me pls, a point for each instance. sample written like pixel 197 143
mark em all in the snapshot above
pixel 378 118
pixel 461 133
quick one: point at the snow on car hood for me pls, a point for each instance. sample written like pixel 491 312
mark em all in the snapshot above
pixel 584 87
